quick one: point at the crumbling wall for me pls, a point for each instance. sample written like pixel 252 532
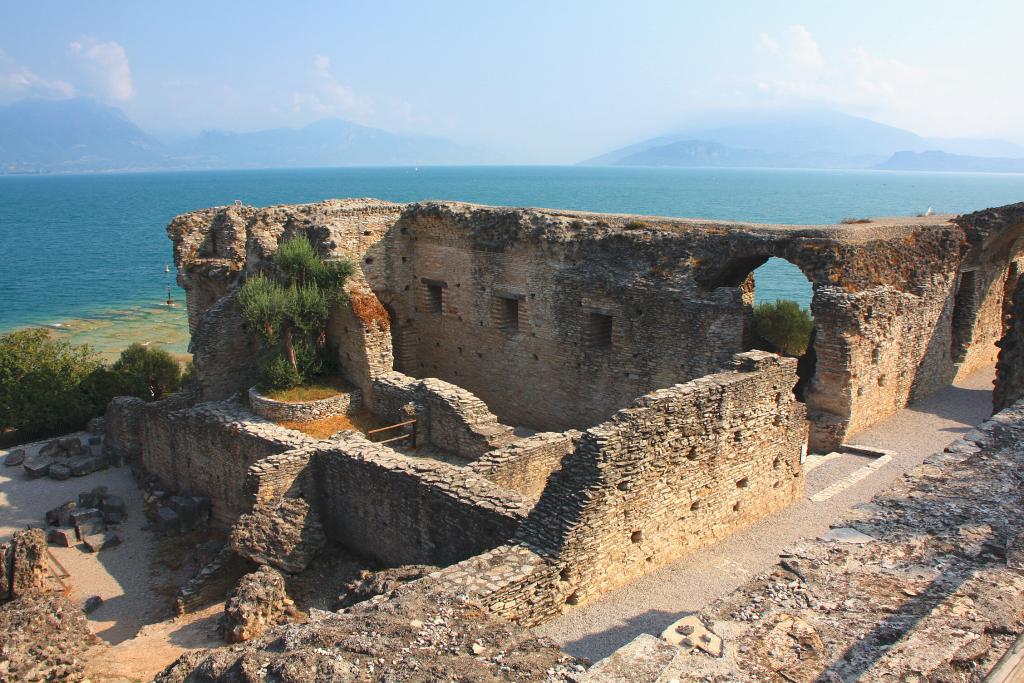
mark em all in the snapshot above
pixel 447 417
pixel 360 332
pixel 1010 369
pixel 224 352
pixel 403 510
pixel 682 467
pixel 525 465
pixel 207 450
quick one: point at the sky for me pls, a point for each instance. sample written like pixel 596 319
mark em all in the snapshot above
pixel 539 82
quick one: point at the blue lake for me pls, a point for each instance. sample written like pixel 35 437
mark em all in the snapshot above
pixel 94 247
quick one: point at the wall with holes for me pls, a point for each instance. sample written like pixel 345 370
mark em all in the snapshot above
pixel 681 468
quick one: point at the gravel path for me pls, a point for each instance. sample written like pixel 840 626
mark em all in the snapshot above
pixel 651 603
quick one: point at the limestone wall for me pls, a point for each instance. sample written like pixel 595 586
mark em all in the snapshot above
pixel 207 450
pixel 283 411
pixel 1010 370
pixel 403 510
pixel 681 468
pixel 525 465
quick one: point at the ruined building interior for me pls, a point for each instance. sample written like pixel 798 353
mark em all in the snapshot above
pixel 579 399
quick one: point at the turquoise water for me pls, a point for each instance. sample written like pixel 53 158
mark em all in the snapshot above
pixel 93 248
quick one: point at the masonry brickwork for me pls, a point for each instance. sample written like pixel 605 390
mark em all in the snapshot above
pixel 557 319
pixel 1009 386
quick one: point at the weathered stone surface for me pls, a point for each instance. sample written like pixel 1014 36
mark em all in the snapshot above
pixel 44 639
pixel 61 515
pixel 1009 385
pixel 370 584
pixel 100 541
pixel 15 457
pixel 6 570
pixel 167 521
pixel 92 604
pixel 86 464
pixel 258 602
pixel 36 467
pixel 287 535
pixel 641 661
pixel 29 563
pixel 63 537
pixel 59 471
pixel 280 411
pixel 418 637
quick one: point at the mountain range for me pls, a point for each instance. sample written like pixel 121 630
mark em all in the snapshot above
pixel 46 136
pixel 75 135
pixel 810 139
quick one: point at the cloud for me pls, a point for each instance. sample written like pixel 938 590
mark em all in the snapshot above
pixel 768 44
pixel 104 69
pixel 19 82
pixel 803 49
pixel 330 97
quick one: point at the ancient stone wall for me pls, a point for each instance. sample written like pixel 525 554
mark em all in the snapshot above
pixel 682 467
pixel 403 510
pixel 525 465
pixel 1010 369
pixel 558 319
pixel 283 411
pixel 447 417
pixel 207 450
pixel 224 352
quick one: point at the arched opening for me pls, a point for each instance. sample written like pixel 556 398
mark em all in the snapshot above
pixel 777 280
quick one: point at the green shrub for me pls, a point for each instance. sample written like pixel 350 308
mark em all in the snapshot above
pixel 785 326
pixel 289 308
pixel 147 373
pixel 49 386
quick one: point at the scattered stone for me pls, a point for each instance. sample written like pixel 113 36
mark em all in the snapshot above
pixel 101 492
pixel 59 471
pixel 167 521
pixel 63 537
pixel 86 464
pixel 95 440
pixel 690 632
pixel 61 515
pixel 113 517
pixel 88 499
pixel 382 582
pixel 70 445
pixel 87 521
pixel 847 535
pixel 36 467
pixel 15 457
pixel 112 504
pixel 50 449
pixel 97 542
pixel 92 604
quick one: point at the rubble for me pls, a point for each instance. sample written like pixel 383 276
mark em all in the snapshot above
pixel 45 638
pixel 258 602
pixel 15 457
pixel 381 582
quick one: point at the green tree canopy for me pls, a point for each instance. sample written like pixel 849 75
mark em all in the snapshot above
pixel 289 308
pixel 784 325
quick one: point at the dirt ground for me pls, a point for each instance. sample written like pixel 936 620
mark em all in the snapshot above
pixel 135 579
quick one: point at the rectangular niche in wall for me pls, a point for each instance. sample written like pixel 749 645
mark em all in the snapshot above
pixel 505 312
pixel 434 291
pixel 599 330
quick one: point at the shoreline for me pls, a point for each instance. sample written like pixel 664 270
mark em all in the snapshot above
pixel 109 331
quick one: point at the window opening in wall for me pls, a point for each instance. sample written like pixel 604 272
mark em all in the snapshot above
pixel 505 313
pixel 435 296
pixel 599 331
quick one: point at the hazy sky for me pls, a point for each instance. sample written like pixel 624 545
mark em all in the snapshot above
pixel 537 81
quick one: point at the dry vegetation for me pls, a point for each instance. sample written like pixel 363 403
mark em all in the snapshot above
pixel 359 421
pixel 312 391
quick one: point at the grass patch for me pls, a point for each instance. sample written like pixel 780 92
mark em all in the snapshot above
pixel 311 391
pixel 326 427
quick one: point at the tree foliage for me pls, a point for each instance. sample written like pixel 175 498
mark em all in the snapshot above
pixel 784 325
pixel 289 308
pixel 48 386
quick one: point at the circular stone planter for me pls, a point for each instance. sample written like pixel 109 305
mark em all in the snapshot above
pixel 280 411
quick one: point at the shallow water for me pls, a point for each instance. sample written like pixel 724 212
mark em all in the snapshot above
pixel 88 252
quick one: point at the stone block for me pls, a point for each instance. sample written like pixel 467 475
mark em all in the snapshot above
pixel 101 492
pixel 113 516
pixel 92 604
pixel 71 445
pixel 50 449
pixel 167 520
pixel 86 464
pixel 97 542
pixel 63 537
pixel 37 467
pixel 113 504
pixel 61 515
pixel 287 535
pixel 187 509
pixel 95 440
pixel 15 457
pixel 88 499
pixel 59 471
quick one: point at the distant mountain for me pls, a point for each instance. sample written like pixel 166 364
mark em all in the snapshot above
pixel 69 135
pixel 783 139
pixel 43 136
pixel 935 160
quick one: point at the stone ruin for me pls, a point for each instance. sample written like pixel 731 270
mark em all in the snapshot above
pixel 586 399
